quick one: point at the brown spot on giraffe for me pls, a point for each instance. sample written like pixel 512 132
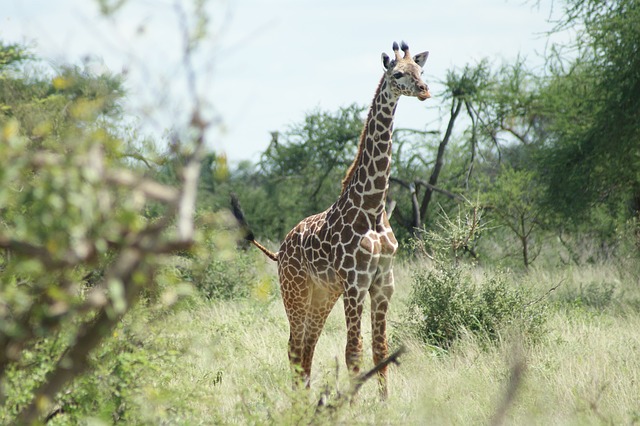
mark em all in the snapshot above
pixel 348 249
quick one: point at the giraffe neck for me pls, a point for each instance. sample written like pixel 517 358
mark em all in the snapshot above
pixel 368 177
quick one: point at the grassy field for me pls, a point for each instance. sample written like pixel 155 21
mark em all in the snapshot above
pixel 224 362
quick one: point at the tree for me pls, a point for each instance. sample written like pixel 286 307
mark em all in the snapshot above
pixel 76 249
pixel 488 111
pixel 300 173
pixel 592 110
pixel 514 200
pixel 462 89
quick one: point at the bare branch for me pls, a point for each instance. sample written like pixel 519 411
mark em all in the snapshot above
pixel 390 207
pixel 415 205
pixel 474 141
pixel 187 202
pixel 440 190
pixel 357 383
pixel 456 106
pixel 362 378
pixel 547 293
pixel 69 259
pixel 151 189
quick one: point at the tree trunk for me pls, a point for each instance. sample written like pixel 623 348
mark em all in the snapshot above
pixel 456 106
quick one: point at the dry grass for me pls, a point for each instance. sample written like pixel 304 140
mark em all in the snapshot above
pixel 231 366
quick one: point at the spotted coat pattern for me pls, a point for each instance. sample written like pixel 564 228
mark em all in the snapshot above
pixel 348 249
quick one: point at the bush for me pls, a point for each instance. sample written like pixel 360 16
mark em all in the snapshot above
pixel 233 278
pixel 218 268
pixel 445 303
pixel 116 386
pixel 596 295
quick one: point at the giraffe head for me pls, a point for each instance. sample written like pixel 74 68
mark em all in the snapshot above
pixel 403 74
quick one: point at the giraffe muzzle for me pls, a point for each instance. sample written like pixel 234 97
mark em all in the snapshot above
pixel 423 96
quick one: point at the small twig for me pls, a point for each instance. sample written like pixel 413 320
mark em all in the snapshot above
pixel 440 190
pixel 548 292
pixel 359 381
pixel 391 359
pixel 151 189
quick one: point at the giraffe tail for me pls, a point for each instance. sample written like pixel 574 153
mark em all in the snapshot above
pixel 239 215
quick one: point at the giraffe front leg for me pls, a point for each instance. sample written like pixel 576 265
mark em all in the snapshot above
pixel 353 305
pixel 380 294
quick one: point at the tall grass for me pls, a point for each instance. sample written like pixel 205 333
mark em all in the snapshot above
pixel 230 365
pixel 207 361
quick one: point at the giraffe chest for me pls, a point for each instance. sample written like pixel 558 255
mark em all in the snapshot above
pixel 335 253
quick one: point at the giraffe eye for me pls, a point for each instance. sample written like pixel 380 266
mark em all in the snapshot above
pixel 398 75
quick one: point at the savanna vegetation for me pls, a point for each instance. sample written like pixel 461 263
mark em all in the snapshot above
pixel 126 297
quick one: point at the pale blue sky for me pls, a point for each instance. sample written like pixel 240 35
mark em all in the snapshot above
pixel 270 62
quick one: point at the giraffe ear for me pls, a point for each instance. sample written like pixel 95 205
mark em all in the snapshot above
pixel 421 58
pixel 385 61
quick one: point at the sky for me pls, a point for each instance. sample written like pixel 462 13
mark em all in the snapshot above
pixel 267 63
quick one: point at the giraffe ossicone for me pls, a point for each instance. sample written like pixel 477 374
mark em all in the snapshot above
pixel 348 249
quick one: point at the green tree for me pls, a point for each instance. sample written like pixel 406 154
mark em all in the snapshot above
pixel 463 88
pixel 514 200
pixel 591 158
pixel 76 249
pixel 490 111
pixel 301 171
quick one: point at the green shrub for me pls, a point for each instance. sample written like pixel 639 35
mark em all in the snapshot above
pixel 446 303
pixel 229 279
pixel 217 268
pixel 595 295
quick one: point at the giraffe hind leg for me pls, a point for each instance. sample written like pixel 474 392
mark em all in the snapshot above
pixel 322 302
pixel 296 296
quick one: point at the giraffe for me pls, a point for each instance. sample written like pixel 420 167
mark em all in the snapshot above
pixel 348 249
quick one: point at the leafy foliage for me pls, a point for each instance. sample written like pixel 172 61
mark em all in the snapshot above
pixel 446 301
pixel 514 199
pixel 77 249
pixel 446 304
pixel 12 55
pixel 592 111
pixel 307 162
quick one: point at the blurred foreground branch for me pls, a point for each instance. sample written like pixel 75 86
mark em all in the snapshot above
pixel 70 208
pixel 130 271
pixel 517 370
pixel 356 384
